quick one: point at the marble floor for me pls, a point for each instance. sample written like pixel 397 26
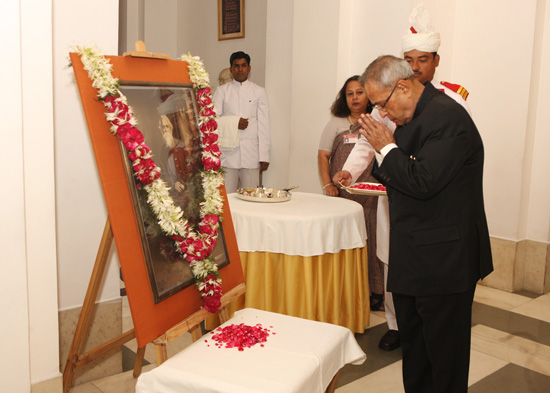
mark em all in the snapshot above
pixel 510 351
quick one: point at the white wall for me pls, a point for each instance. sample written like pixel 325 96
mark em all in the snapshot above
pixel 198 33
pixel 81 210
pixel 331 44
pixel 131 24
pixel 535 208
pixel 278 85
pixel 161 21
pixel 176 27
pixel 499 83
pixel 505 69
pixel 29 283
pixel 36 40
pixel 313 73
pixel 15 368
pixel 313 46
pixel 364 26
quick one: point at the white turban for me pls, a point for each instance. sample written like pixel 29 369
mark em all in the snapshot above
pixel 421 35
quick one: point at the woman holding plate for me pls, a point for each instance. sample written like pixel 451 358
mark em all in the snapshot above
pixel 337 141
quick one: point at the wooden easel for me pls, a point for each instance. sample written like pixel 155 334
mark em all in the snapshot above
pixel 76 359
pixel 142 52
pixel 192 324
pixel 178 313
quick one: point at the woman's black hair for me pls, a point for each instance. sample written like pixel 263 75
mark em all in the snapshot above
pixel 339 107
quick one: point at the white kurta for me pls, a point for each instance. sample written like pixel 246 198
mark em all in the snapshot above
pixel 249 101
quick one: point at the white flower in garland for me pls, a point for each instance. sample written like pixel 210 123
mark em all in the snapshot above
pixel 195 244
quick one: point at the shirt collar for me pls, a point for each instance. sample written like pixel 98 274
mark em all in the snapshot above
pixel 235 83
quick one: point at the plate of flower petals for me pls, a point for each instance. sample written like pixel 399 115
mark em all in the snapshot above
pixel 366 188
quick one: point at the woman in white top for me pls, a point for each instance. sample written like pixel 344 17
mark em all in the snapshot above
pixel 337 141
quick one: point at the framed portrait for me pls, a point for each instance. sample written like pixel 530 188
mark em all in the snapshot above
pixel 167 117
pixel 230 19
pixel 175 300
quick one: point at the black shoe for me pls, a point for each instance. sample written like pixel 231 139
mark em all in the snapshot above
pixel 389 341
pixel 377 302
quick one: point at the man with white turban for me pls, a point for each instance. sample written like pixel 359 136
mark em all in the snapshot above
pixel 420 46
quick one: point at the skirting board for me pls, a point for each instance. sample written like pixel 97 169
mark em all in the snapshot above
pixel 520 265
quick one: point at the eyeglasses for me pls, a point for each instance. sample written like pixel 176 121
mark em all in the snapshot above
pixel 381 107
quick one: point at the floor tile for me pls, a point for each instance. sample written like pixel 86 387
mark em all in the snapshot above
pixel 121 383
pixel 125 307
pixel 129 359
pixel 127 323
pixel 523 292
pixel 149 350
pixel 496 298
pixel 376 358
pixel 482 365
pixel 513 349
pixel 512 379
pixel 85 388
pixel 510 350
pixel 384 380
pixel 172 347
pixel 538 308
pixel 511 322
pixel 377 318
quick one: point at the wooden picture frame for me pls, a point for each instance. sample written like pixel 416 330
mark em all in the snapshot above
pixel 150 319
pixel 168 119
pixel 230 19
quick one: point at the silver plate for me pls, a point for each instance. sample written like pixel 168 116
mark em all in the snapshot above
pixel 264 195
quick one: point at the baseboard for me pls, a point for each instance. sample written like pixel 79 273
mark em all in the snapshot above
pixel 54 385
pixel 520 265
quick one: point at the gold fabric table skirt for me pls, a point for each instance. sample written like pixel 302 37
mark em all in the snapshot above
pixel 329 288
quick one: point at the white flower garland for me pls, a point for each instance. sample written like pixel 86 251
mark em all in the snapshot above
pixel 195 245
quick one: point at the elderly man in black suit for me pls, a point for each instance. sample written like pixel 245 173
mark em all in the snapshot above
pixel 439 241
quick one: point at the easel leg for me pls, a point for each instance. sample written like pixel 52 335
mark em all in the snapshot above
pixel 196 332
pixel 160 353
pixel 223 314
pixel 138 364
pixel 83 325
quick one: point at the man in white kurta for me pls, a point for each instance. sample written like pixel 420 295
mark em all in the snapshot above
pixel 248 101
pixel 420 46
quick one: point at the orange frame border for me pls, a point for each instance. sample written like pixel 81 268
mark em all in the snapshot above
pixel 150 320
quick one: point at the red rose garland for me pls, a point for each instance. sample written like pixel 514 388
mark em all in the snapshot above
pixel 195 246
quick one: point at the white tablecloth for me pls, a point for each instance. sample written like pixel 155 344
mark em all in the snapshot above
pixel 302 357
pixel 307 225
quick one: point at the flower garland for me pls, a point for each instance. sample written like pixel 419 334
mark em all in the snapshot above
pixel 194 244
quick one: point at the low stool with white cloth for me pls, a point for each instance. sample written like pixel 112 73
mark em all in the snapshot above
pixel 299 356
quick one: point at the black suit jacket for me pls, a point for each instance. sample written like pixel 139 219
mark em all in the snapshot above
pixel 439 241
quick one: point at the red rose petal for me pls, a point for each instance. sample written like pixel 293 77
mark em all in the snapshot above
pixel 240 336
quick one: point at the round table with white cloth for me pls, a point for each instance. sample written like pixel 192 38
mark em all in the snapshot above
pixel 305 257
pixel 306 225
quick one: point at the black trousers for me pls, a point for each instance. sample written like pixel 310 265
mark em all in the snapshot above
pixel 435 334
